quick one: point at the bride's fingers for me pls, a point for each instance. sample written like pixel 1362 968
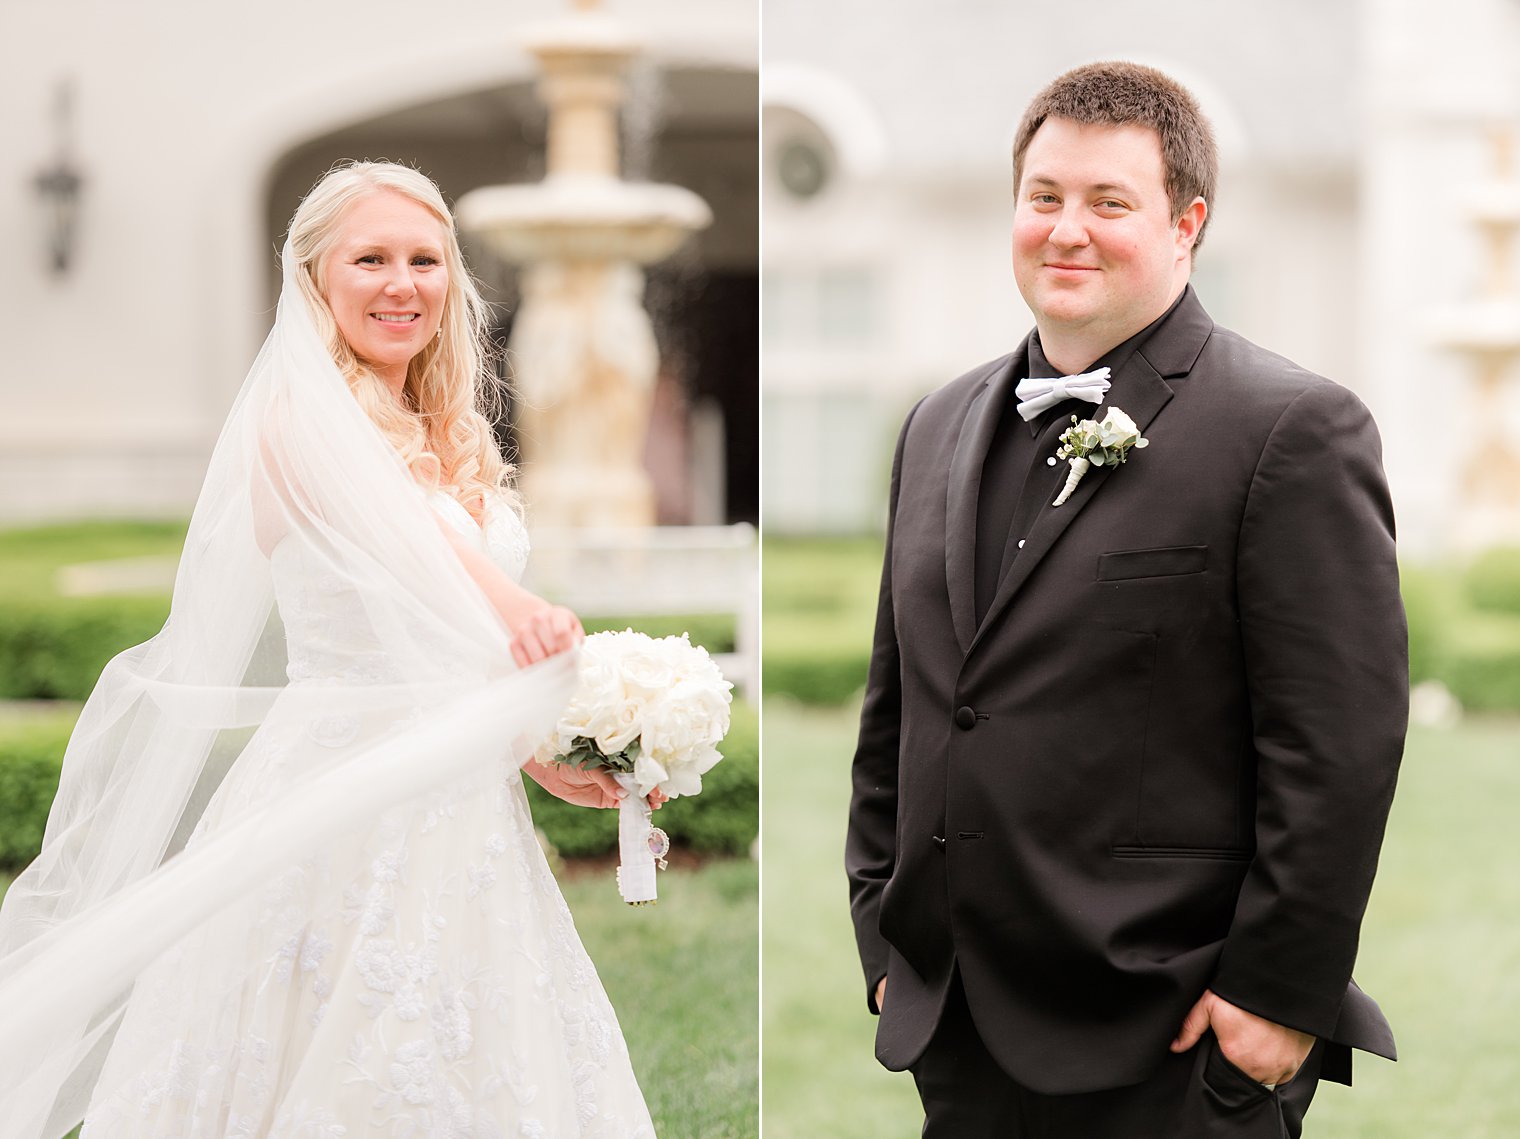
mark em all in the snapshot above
pixel 612 790
pixel 527 647
pixel 563 625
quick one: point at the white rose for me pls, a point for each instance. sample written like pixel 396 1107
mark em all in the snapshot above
pixel 621 727
pixel 686 777
pixel 1118 423
pixel 648 773
pixel 647 674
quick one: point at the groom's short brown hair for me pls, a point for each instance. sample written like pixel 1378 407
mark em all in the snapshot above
pixel 1118 94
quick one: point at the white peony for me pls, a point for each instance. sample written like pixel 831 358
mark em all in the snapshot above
pixel 665 693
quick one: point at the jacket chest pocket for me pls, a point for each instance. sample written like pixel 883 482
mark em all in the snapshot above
pixel 1160 561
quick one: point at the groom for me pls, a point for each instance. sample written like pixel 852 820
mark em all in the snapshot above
pixel 1125 762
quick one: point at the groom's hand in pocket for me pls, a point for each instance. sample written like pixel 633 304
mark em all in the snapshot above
pixel 881 993
pixel 1268 1052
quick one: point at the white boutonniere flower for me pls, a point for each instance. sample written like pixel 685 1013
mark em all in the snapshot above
pixel 1094 443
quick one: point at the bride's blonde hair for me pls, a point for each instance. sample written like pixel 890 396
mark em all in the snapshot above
pixel 440 432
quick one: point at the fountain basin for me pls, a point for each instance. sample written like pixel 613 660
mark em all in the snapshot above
pixel 580 217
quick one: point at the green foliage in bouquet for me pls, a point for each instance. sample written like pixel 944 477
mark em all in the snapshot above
pixel 585 754
pixel 724 819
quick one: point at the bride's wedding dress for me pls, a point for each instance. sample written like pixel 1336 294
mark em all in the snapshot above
pixel 421 977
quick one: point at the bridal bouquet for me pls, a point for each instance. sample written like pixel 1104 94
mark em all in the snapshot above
pixel 652 712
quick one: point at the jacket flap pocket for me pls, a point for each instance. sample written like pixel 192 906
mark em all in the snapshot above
pixel 1164 561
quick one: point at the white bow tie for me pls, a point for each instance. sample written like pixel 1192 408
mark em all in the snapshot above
pixel 1036 395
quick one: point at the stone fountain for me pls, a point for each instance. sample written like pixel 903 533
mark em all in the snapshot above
pixel 583 347
pixel 1486 332
pixel 585 360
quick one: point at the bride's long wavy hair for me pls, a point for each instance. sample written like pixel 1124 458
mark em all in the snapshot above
pixel 441 432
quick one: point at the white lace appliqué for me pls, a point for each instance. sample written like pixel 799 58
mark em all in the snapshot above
pixel 425 980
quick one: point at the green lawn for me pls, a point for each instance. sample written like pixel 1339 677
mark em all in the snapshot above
pixel 30 556
pixel 683 977
pixel 1440 949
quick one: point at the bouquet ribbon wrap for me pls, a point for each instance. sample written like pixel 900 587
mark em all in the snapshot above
pixel 635 857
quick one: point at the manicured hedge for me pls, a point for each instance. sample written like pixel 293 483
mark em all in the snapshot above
pixel 54 648
pixel 30 756
pixel 1464 630
pixel 825 674
pixel 724 819
pixel 714 632
pixel 1479 661
pixel 1492 581
pixel 1432 600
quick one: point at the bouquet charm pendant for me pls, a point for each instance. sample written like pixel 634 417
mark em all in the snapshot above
pixel 659 846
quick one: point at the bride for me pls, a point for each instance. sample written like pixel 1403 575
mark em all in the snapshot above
pixel 290 887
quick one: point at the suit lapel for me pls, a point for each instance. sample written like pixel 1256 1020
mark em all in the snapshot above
pixel 1140 389
pixel 977 429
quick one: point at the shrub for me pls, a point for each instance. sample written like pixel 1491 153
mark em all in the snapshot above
pixel 714 632
pixel 54 648
pixel 31 753
pixel 825 675
pixel 724 819
pixel 1431 601
pixel 1492 582
pixel 1480 661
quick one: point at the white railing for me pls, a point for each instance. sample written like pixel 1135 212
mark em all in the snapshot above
pixel 659 571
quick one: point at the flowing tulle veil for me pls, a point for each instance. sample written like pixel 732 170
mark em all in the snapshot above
pixel 419 690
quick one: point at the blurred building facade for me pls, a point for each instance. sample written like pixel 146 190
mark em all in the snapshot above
pixel 1348 133
pixel 190 132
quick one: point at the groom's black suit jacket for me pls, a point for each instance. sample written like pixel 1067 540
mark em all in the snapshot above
pixel 1163 760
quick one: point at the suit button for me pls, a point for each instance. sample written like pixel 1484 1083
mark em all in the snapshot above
pixel 939 842
pixel 965 718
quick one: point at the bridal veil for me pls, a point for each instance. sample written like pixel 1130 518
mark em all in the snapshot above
pixel 411 686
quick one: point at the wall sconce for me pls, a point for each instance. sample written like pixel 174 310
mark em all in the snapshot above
pixel 60 186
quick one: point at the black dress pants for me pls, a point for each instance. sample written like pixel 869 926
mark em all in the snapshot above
pixel 1197 1094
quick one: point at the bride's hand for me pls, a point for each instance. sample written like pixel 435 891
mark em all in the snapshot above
pixel 572 784
pixel 539 630
pixel 585 788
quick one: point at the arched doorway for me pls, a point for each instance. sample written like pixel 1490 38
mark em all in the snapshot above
pixel 691 125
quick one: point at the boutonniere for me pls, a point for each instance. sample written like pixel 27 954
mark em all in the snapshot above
pixel 1094 443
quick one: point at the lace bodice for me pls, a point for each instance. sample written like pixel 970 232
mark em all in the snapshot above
pixel 504 538
pixel 328 633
